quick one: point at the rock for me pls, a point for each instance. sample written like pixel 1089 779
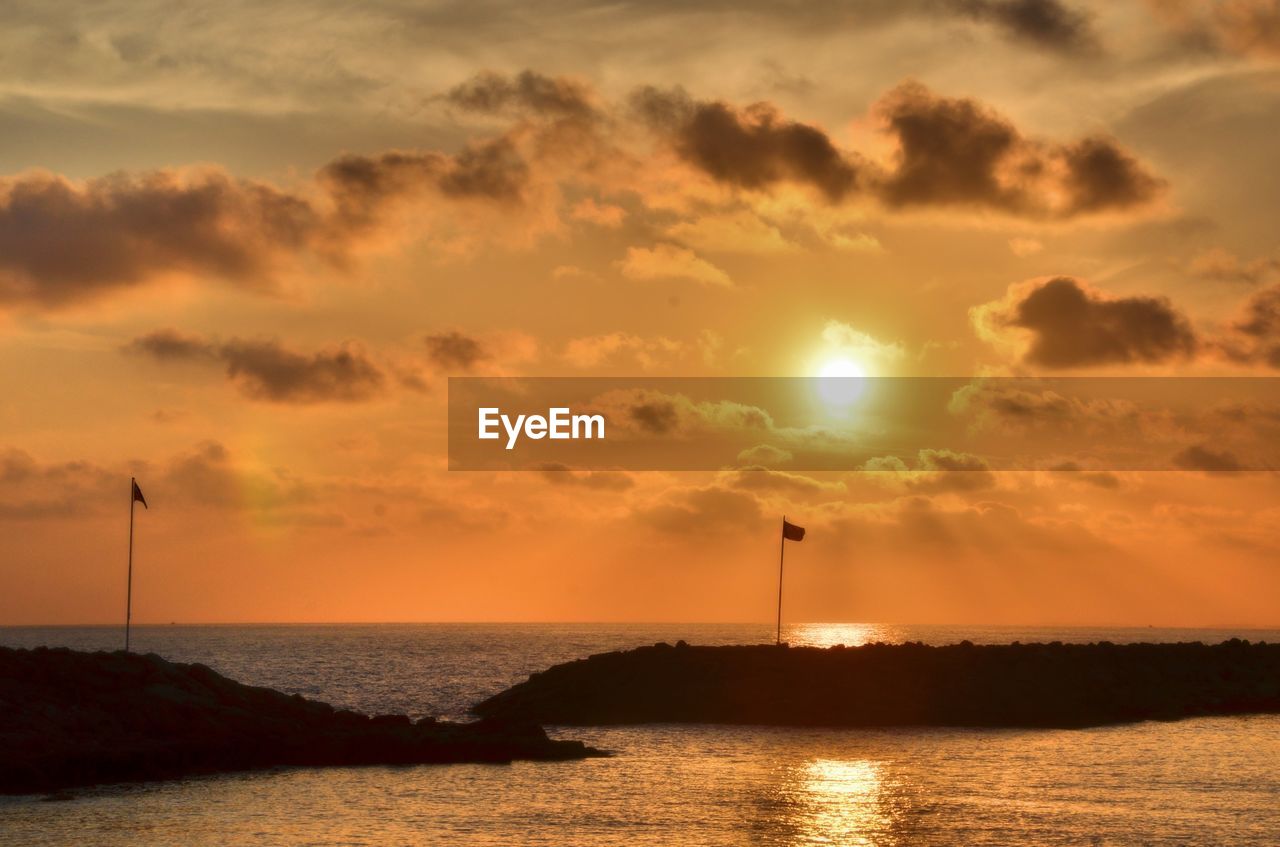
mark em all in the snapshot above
pixel 72 719
pixel 1016 685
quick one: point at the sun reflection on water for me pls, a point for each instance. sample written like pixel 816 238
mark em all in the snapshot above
pixel 842 802
pixel 848 634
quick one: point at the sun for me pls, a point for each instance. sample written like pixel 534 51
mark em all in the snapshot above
pixel 841 382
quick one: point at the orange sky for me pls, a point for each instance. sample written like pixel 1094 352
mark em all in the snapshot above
pixel 242 250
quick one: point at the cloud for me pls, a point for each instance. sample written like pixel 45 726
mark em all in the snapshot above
pixel 62 242
pixel 946 470
pixel 170 344
pixel 1221 265
pixel 655 416
pixel 207 475
pixel 1243 27
pixel 527 92
pixel 702 511
pixel 736 231
pixel 1046 23
pixel 1024 247
pixel 753 148
pixel 780 482
pixel 1070 324
pixel 935 471
pixel 454 351
pixel 859 346
pixel 765 455
pixel 950 152
pixel 668 261
pixel 491 169
pixel 563 475
pixel 35 490
pixel 65 242
pixel 1255 336
pixel 958 152
pixel 361 187
pixel 652 412
pixel 267 370
pixel 1098 479
pixel 616 347
pixel 606 215
pixel 1203 458
pixel 1015 407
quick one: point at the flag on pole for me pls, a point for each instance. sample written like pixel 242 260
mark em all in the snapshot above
pixel 790 531
pixel 138 498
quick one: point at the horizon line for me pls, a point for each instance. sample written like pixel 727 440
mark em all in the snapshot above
pixel 543 622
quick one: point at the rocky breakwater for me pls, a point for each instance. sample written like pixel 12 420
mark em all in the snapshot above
pixel 70 718
pixel 1015 685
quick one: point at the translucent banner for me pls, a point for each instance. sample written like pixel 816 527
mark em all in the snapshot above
pixel 865 423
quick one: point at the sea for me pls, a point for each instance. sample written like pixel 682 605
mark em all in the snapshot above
pixel 1208 781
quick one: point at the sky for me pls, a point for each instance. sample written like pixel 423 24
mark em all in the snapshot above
pixel 244 245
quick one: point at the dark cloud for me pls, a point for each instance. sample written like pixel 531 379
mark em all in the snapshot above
pixel 455 351
pixel 1103 177
pixel 62 242
pixel 361 186
pixel 1073 325
pixel 1041 24
pixel 950 152
pixel 492 170
pixel 528 91
pixel 753 148
pixel 267 370
pixel 1203 458
pixel 1045 23
pixel 171 344
pixel 957 151
pixel 1255 337
pixel 657 417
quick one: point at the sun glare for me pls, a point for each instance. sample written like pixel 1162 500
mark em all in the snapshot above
pixel 841 382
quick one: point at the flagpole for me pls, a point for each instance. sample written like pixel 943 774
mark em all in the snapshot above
pixel 782 550
pixel 128 603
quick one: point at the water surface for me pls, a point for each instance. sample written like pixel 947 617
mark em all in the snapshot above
pixel 1210 781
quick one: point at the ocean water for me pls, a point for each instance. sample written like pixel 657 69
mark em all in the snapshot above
pixel 1212 781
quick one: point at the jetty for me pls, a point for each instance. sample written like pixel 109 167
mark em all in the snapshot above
pixel 882 685
pixel 70 718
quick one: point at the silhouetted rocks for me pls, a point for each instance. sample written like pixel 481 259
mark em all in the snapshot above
pixel 1017 685
pixel 69 718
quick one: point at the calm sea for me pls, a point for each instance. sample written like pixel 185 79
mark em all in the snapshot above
pixel 1198 782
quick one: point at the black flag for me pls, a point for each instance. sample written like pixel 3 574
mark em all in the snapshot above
pixel 138 498
pixel 791 532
